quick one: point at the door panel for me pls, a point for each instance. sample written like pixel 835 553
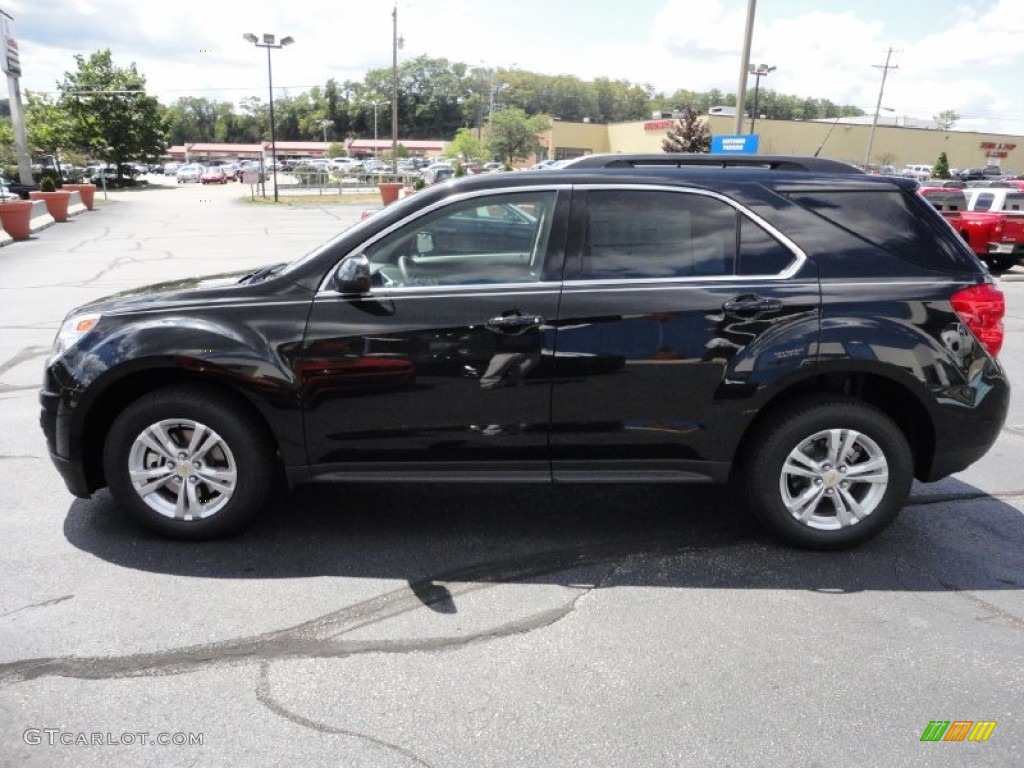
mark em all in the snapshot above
pixel 442 366
pixel 672 337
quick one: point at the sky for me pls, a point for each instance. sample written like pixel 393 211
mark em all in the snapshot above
pixel 963 55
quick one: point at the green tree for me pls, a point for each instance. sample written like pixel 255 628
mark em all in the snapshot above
pixel 513 134
pixel 8 157
pixel 337 150
pixel 941 168
pixel 946 119
pixel 193 119
pixel 689 134
pixel 430 93
pixel 466 145
pixel 48 125
pixel 111 115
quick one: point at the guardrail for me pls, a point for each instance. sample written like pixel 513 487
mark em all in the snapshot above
pixel 331 180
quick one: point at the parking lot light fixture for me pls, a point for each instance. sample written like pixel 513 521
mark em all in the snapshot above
pixel 269 42
pixel 761 70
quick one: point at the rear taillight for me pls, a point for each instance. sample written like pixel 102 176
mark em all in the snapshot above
pixel 981 308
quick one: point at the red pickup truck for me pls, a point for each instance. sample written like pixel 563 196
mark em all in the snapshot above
pixel 993 225
pixel 951 202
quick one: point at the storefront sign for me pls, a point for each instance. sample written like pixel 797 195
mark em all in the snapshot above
pixel 9 62
pixel 658 125
pixel 745 144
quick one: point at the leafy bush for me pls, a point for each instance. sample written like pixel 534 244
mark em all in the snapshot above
pixel 47 184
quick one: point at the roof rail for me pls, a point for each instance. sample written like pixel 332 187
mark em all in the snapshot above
pixel 681 160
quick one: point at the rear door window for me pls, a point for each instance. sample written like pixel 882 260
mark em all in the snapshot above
pixel 650 234
pixel 901 224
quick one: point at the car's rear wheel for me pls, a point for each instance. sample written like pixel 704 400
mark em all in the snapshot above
pixel 189 463
pixel 828 472
pixel 1001 263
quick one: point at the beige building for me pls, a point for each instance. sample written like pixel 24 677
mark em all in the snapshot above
pixel 898 146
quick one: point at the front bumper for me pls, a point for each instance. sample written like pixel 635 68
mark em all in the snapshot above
pixel 71 470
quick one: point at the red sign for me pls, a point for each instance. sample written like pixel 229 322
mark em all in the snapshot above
pixel 994 145
pixel 657 125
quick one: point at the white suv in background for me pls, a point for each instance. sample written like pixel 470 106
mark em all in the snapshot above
pixel 346 164
pixel 919 172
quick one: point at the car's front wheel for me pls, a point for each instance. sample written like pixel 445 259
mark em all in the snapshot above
pixel 189 463
pixel 828 472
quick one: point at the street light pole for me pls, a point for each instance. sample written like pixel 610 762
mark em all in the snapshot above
pixel 375 104
pixel 269 41
pixel 394 90
pixel 761 70
pixel 878 107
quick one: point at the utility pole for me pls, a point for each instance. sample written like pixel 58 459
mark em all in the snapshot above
pixel 878 107
pixel 741 90
pixel 394 90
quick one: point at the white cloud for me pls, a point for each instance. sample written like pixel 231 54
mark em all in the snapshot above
pixel 967 58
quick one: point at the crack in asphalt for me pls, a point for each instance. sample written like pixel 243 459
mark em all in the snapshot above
pixel 319 637
pixel 266 698
pixel 1016 622
pixel 23 355
pixel 44 604
pixel 926 499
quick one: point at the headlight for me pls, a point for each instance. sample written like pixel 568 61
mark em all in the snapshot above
pixel 74 328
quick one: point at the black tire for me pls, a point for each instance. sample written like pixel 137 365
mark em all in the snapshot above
pixel 827 498
pixel 223 478
pixel 1001 263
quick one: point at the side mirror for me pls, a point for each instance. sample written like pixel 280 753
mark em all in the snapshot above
pixel 353 276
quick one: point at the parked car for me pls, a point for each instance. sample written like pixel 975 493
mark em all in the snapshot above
pixel 814 336
pixel 948 201
pixel 192 172
pixel 16 187
pixel 993 225
pixel 918 171
pixel 983 172
pixel 171 169
pixel 250 167
pixel 345 164
pixel 214 175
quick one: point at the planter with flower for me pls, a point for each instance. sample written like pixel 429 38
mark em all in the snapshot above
pixel 56 199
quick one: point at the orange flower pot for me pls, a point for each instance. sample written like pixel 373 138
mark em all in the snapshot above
pixel 56 203
pixel 87 191
pixel 389 192
pixel 16 218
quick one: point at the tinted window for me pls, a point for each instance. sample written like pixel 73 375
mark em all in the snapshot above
pixel 489 239
pixel 902 224
pixel 645 234
pixel 760 253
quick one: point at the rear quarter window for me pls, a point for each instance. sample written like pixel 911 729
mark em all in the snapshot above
pixel 902 224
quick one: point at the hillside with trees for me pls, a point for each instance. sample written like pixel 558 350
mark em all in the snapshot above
pixel 436 98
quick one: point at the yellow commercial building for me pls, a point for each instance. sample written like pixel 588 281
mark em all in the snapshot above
pixel 848 142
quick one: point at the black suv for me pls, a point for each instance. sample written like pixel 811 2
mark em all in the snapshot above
pixel 813 336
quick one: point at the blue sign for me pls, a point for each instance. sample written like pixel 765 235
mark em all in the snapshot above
pixel 745 144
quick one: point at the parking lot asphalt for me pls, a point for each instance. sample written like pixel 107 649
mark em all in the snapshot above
pixel 473 625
